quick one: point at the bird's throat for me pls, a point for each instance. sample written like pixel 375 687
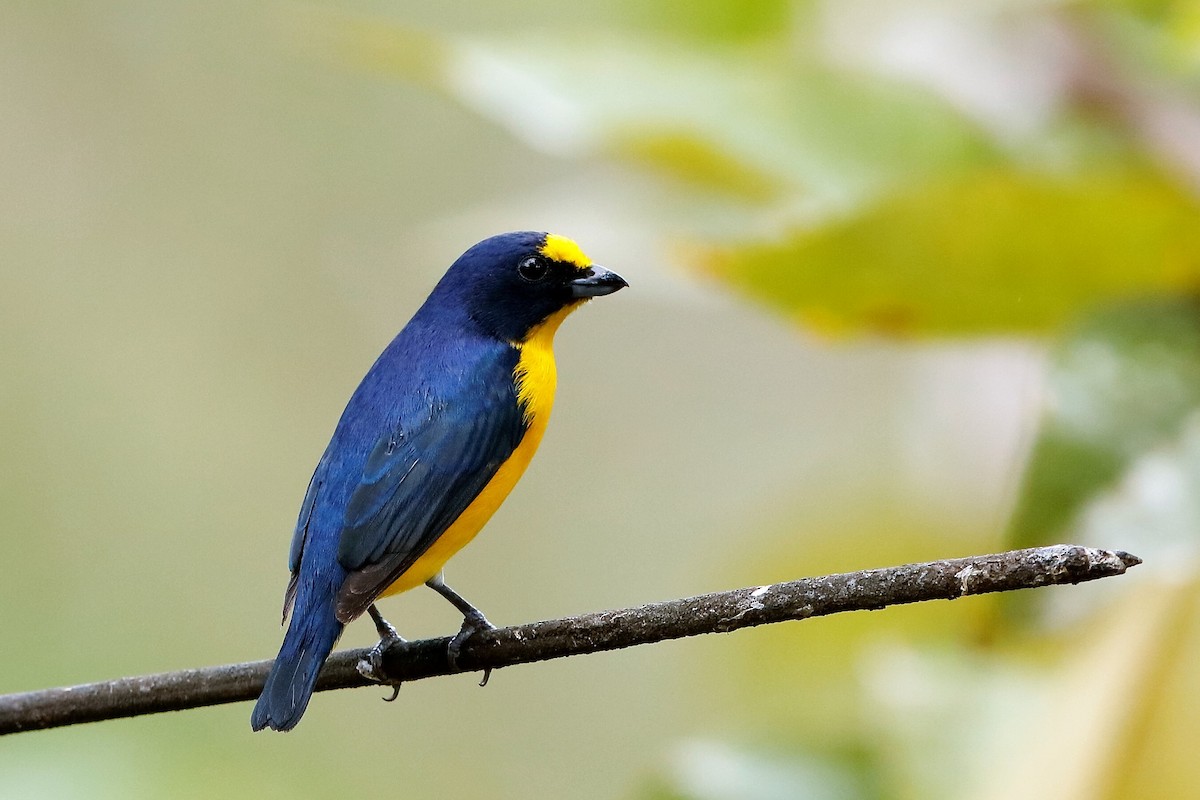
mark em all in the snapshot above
pixel 536 375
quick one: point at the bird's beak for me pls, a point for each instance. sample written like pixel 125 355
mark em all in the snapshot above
pixel 597 282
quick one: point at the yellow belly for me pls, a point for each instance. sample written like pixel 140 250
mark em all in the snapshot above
pixel 536 378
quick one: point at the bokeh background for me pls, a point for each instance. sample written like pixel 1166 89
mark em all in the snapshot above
pixel 910 280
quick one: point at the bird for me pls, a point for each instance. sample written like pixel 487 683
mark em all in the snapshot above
pixel 430 444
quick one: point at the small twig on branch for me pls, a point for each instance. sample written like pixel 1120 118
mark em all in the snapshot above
pixel 588 633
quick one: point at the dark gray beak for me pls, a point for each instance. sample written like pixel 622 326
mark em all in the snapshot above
pixel 597 282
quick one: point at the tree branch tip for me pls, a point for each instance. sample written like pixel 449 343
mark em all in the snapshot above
pixel 1109 562
pixel 1128 559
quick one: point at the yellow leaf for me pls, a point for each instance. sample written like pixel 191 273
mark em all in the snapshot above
pixel 998 252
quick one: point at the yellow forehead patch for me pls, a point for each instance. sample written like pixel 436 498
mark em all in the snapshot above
pixel 560 248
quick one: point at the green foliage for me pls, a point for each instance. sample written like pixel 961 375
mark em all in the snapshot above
pixel 714 20
pixel 987 253
pixel 1122 382
pixel 755 118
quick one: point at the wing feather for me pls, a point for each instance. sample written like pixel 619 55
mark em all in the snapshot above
pixel 420 476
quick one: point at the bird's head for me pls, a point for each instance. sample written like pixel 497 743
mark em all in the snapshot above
pixel 512 283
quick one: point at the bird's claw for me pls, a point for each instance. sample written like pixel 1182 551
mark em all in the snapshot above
pixel 371 667
pixel 472 624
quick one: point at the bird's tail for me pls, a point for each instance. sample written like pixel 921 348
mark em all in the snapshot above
pixel 309 641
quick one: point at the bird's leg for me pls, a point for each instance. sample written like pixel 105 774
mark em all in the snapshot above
pixel 387 634
pixel 372 666
pixel 473 622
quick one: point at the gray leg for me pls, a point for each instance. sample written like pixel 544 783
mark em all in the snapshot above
pixel 387 634
pixel 473 622
pixel 372 665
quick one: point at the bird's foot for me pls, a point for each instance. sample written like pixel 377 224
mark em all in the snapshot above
pixel 371 666
pixel 473 623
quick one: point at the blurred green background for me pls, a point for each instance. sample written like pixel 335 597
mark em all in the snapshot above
pixel 910 280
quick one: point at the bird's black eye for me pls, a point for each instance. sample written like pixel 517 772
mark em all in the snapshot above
pixel 533 269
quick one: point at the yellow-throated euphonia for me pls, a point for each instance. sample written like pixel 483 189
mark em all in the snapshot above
pixel 431 442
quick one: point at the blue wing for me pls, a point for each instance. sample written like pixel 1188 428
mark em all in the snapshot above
pixel 421 475
pixel 299 539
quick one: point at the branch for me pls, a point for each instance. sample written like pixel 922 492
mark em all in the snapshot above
pixel 588 633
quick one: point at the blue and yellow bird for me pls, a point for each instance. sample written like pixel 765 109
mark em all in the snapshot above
pixel 432 441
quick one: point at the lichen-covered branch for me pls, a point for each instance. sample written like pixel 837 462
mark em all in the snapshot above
pixel 719 612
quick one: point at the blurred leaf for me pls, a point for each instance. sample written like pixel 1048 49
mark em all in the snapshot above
pixel 697 161
pixel 710 770
pixel 993 253
pixel 1056 716
pixel 727 116
pixel 393 49
pixel 1159 11
pixel 717 20
pixel 1185 39
pixel 1123 382
pixel 1121 720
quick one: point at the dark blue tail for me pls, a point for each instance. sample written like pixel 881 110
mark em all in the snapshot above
pixel 309 641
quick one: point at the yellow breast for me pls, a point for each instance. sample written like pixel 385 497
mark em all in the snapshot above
pixel 536 377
